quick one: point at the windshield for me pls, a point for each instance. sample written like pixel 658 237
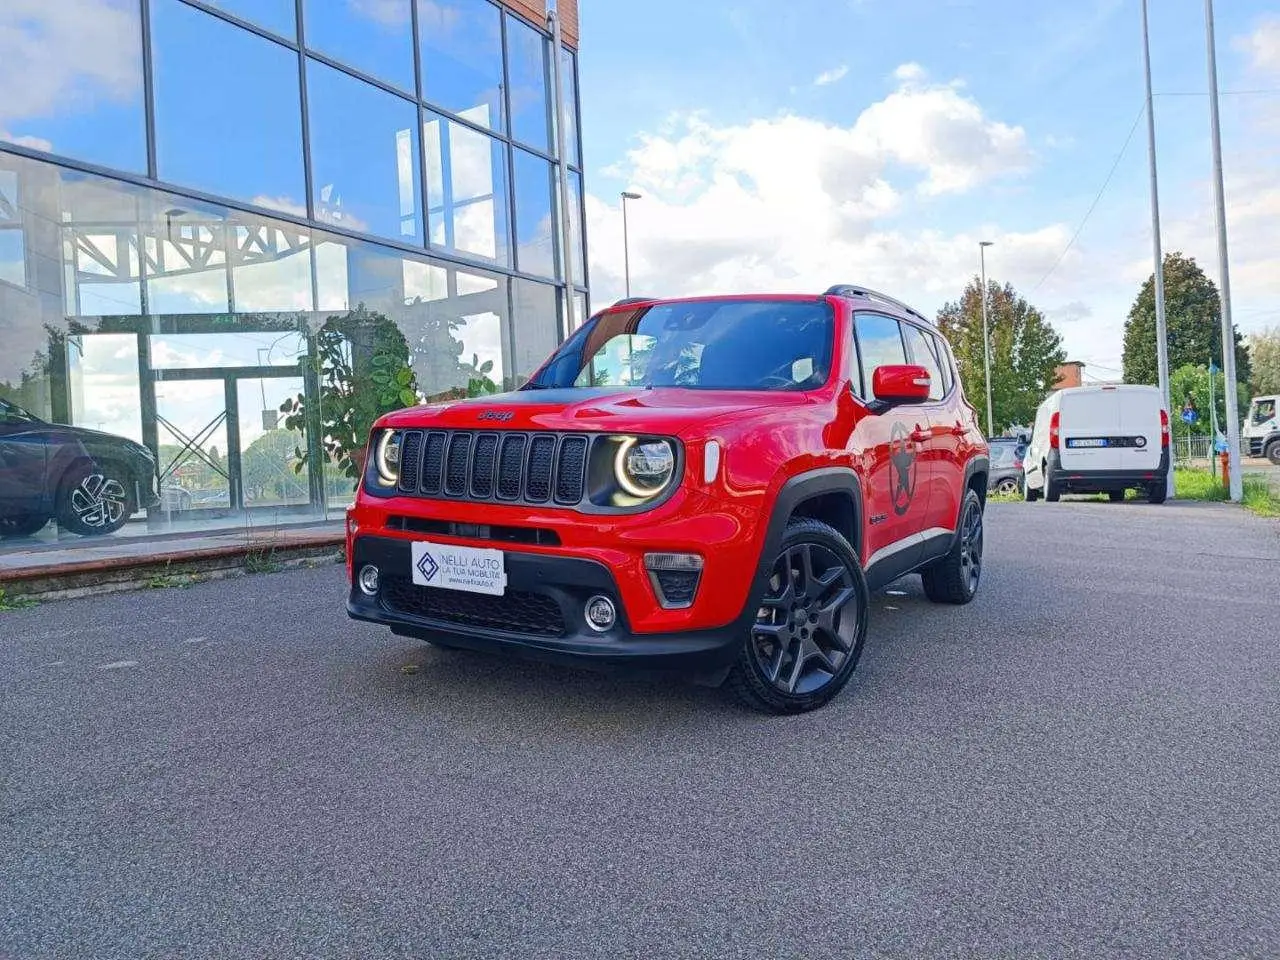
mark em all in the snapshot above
pixel 703 345
pixel 12 413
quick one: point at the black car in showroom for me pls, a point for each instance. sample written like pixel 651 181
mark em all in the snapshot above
pixel 90 482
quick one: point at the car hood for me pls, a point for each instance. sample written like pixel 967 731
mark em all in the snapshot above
pixel 663 410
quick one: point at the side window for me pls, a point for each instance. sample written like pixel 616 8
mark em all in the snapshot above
pixel 879 345
pixel 944 361
pixel 922 353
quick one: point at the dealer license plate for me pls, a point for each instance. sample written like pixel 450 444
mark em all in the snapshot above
pixel 459 568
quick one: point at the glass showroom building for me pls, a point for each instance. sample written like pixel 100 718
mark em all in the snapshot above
pixel 234 231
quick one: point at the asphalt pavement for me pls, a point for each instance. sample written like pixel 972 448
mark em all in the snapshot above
pixel 1083 763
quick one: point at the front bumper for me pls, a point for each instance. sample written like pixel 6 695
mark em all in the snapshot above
pixel 541 616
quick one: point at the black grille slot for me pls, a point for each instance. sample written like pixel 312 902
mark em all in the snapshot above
pixel 410 460
pixel 542 454
pixel 537 536
pixel 569 469
pixel 678 586
pixel 432 462
pixel 455 481
pixel 516 611
pixel 482 465
pixel 510 468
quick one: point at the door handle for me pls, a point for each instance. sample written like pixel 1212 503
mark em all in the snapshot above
pixel 919 436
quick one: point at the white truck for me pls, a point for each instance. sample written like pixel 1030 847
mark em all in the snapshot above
pixel 1261 434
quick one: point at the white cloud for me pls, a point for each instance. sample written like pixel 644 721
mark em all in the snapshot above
pixel 828 77
pixel 1262 47
pixel 794 203
pixel 35 143
pixel 386 13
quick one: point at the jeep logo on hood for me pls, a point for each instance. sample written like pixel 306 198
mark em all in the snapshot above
pixel 503 415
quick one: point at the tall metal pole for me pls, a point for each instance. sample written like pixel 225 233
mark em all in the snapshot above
pixel 1236 485
pixel 986 334
pixel 626 241
pixel 1162 339
pixel 568 216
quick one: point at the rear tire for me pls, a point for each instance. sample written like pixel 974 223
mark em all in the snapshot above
pixel 1052 492
pixel 1115 496
pixel 956 577
pixel 1157 492
pixel 1272 452
pixel 810 625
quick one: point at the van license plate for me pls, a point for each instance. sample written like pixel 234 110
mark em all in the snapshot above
pixel 449 567
pixel 1087 442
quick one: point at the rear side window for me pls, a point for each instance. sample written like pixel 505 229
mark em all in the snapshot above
pixel 922 353
pixel 879 345
pixel 944 361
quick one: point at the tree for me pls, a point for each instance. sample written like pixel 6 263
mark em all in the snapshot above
pixel 1191 382
pixel 1264 357
pixel 267 467
pixel 1025 351
pixel 1192 319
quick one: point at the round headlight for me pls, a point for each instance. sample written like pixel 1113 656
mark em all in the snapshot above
pixel 644 469
pixel 388 457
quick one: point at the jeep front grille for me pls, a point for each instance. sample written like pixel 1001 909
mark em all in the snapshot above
pixel 494 466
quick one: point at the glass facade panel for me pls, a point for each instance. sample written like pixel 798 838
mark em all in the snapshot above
pixel 569 78
pixel 71 80
pixel 13 251
pixel 234 131
pixel 467 200
pixel 364 155
pixel 537 336
pixel 374 36
pixel 460 42
pixel 527 70
pixel 278 16
pixel 535 225
pixel 578 226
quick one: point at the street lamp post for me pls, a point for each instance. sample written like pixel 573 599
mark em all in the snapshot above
pixel 626 244
pixel 986 334
pixel 1235 481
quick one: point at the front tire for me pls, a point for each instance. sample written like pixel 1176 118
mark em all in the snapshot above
pixel 1272 452
pixel 95 500
pixel 810 626
pixel 956 577
pixel 1007 487
pixel 1029 493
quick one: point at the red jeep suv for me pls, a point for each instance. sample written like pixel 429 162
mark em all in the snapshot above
pixel 712 485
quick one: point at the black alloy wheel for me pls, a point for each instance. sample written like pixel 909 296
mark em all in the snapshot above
pixel 810 624
pixel 955 578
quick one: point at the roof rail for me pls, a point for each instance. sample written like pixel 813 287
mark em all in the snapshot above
pixel 850 290
pixel 629 300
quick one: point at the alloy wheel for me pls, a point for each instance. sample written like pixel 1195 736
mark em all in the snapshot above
pixel 971 547
pixel 99 501
pixel 805 629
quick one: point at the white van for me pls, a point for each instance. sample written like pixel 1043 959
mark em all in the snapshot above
pixel 1099 439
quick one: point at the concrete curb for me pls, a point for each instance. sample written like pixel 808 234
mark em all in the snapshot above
pixel 174 568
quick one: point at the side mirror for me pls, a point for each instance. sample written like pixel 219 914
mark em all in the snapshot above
pixel 900 384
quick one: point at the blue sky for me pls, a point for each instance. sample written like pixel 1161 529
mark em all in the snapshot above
pixel 1003 127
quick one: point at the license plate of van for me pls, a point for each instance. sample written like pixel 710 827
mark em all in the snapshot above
pixel 1075 442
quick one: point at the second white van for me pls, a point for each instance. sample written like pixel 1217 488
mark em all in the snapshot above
pixel 1099 439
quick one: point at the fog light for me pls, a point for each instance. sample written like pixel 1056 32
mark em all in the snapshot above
pixel 674 577
pixel 601 613
pixel 368 579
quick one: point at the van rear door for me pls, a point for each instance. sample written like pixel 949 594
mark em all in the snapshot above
pixel 1087 421
pixel 1140 426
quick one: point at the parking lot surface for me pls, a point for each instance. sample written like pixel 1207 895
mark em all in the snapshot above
pixel 1084 762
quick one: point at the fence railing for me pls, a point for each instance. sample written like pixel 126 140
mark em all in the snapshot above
pixel 1188 449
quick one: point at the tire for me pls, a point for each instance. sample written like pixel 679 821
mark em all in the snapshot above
pixel 1157 492
pixel 1007 487
pixel 810 625
pixel 1115 496
pixel 95 499
pixel 1272 452
pixel 956 577
pixel 1029 494
pixel 22 525
pixel 1052 492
